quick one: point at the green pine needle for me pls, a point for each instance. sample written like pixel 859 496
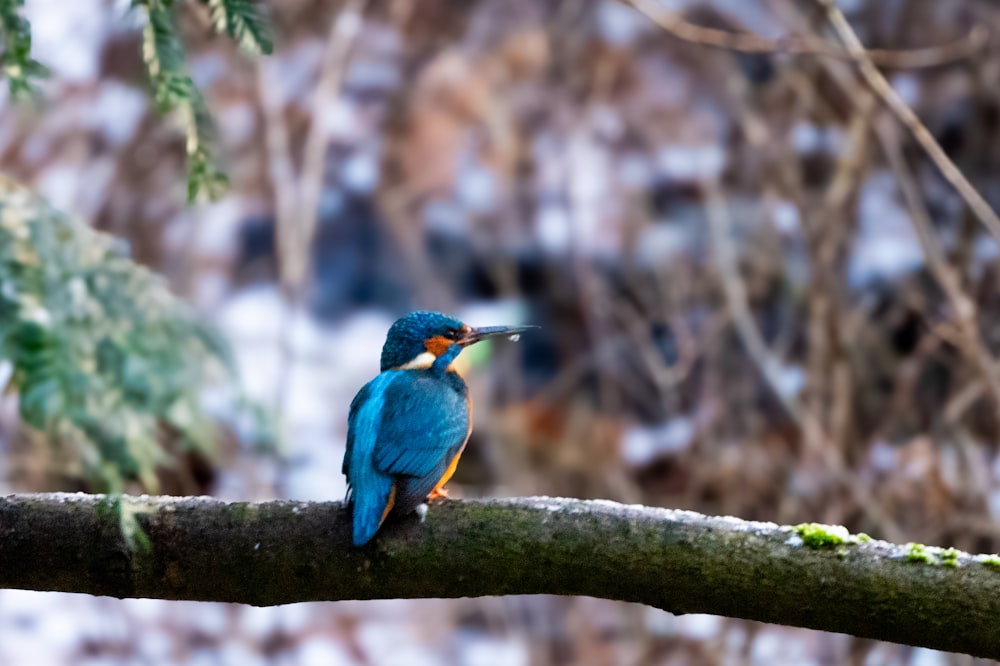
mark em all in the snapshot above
pixel 243 21
pixel 163 53
pixel 174 91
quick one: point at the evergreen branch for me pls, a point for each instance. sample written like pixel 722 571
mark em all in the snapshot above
pixel 283 552
pixel 174 91
pixel 163 54
pixel 15 34
pixel 244 22
pixel 102 354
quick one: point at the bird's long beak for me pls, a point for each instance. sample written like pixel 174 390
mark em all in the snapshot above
pixel 477 334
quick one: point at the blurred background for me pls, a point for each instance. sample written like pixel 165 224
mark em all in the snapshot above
pixel 759 297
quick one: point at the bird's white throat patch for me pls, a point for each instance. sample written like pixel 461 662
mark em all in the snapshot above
pixel 421 361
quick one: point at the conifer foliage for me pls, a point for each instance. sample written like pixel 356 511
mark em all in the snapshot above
pixel 163 54
pixel 174 91
pixel 102 356
pixel 243 21
pixel 104 359
pixel 18 66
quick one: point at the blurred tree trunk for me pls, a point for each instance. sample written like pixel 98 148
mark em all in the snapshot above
pixel 284 552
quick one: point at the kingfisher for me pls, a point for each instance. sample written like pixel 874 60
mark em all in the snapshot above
pixel 407 428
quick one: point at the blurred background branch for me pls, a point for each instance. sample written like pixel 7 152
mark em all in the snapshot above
pixel 934 56
pixel 874 78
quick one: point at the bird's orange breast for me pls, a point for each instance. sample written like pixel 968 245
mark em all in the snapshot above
pixel 453 465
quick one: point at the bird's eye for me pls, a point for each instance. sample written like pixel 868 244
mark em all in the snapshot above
pixel 453 333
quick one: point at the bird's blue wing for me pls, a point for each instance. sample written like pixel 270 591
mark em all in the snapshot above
pixel 425 422
pixel 371 490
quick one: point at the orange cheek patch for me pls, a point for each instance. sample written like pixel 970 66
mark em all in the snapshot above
pixel 437 345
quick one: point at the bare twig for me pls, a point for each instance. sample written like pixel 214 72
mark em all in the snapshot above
pixel 817 440
pixel 878 83
pixel 279 156
pixel 736 297
pixel 933 56
pixel 966 317
pixel 344 30
pixel 297 196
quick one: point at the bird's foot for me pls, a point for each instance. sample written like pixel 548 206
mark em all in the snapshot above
pixel 422 512
pixel 437 493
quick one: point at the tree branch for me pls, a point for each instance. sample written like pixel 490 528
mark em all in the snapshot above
pixel 673 22
pixel 892 99
pixel 283 552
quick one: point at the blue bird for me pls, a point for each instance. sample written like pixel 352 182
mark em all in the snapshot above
pixel 407 428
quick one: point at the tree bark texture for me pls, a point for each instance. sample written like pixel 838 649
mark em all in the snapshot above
pixel 281 552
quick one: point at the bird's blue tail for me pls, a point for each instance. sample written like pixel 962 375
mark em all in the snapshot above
pixel 370 506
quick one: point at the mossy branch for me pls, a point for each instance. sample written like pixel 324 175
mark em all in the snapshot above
pixel 283 552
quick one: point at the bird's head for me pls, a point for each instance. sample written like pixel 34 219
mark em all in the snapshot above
pixel 420 338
